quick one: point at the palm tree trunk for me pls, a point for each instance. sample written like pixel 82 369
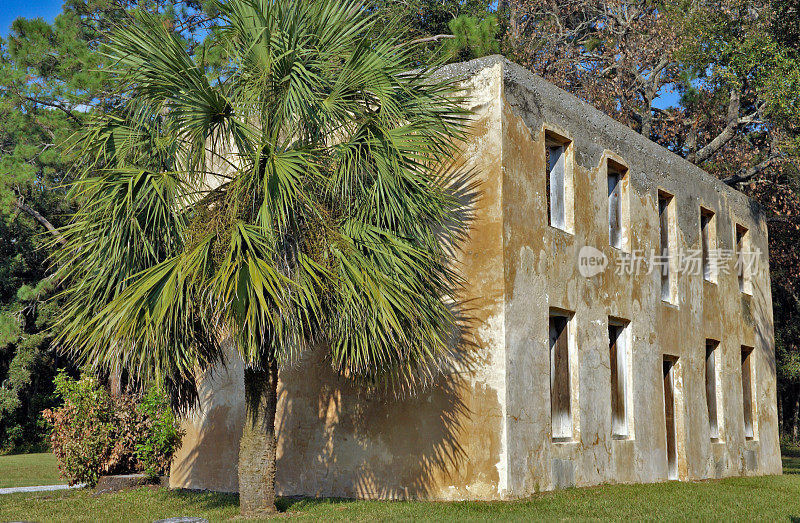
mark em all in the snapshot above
pixel 257 450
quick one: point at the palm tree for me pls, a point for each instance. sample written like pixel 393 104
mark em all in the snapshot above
pixel 299 198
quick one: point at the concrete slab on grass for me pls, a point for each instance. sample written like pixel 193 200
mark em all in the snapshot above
pixel 39 488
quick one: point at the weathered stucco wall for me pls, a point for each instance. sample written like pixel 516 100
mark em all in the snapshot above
pixel 336 440
pixel 541 272
pixel 484 432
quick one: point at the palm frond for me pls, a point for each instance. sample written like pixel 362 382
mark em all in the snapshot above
pixel 307 198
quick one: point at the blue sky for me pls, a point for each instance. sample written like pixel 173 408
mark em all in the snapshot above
pixel 12 9
pixel 668 98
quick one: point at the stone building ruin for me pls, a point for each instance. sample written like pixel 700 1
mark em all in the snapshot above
pixel 598 358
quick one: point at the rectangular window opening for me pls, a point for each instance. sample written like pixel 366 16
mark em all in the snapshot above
pixel 669 417
pixel 708 238
pixel 618 359
pixel 742 253
pixel 712 349
pixel 558 181
pixel 664 205
pixel 747 391
pixel 560 391
pixel 616 230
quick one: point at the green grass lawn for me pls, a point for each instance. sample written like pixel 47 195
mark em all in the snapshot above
pixel 24 470
pixel 771 497
pixel 791 460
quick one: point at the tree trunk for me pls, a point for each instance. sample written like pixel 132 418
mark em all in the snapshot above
pixel 794 416
pixel 257 450
pixel 781 414
pixel 647 117
pixel 115 382
pixel 725 136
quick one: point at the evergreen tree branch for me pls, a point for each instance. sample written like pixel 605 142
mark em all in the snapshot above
pixel 22 206
pixel 434 38
pixel 55 105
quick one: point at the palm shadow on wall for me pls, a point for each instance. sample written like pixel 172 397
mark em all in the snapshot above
pixel 339 439
pixel 346 441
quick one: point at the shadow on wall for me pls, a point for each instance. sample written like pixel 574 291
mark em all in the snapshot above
pixel 338 439
pixel 342 440
pixel 209 453
pixel 756 311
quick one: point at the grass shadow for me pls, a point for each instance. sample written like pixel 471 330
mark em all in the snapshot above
pixel 203 500
pixel 283 504
pixel 790 456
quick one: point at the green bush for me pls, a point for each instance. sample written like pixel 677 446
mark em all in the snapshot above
pixel 94 433
pixel 162 437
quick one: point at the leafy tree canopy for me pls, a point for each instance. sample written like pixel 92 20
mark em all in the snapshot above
pixel 51 77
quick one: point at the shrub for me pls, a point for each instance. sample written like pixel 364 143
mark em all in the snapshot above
pixel 83 429
pixel 94 433
pixel 162 436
